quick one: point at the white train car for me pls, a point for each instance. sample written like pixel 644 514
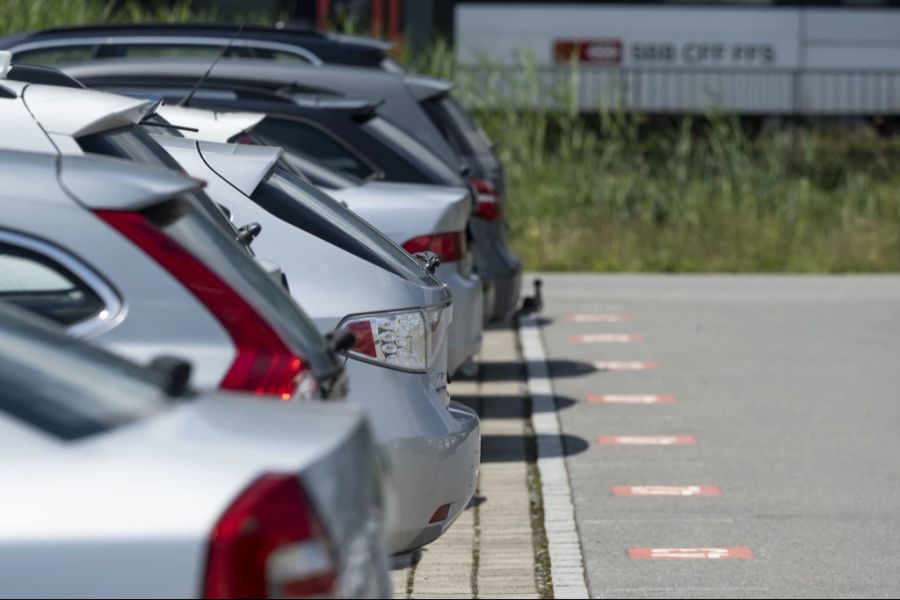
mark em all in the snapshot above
pixel 685 59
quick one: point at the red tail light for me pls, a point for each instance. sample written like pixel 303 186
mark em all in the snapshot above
pixel 270 544
pixel 488 200
pixel 264 364
pixel 448 246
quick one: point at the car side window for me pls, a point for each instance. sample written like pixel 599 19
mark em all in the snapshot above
pixel 39 284
pixel 312 141
pixel 55 56
pixel 137 50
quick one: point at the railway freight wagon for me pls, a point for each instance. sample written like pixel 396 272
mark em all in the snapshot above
pixel 685 59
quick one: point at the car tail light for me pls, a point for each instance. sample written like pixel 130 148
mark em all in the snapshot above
pixel 406 340
pixel 270 544
pixel 487 204
pixel 264 364
pixel 449 247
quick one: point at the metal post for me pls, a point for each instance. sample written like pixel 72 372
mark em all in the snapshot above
pixel 394 19
pixel 419 24
pixel 323 13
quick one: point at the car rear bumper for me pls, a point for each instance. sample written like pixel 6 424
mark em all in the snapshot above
pixel 433 449
pixel 497 266
pixel 464 339
pixel 457 453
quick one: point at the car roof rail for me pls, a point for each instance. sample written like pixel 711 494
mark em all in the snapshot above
pixel 163 27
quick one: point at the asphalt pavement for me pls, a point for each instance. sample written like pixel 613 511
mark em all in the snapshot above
pixel 777 400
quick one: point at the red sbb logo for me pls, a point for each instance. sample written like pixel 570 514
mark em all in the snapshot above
pixel 604 51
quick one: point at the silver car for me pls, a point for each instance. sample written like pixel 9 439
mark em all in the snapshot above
pixel 415 216
pixel 397 311
pixel 140 488
pixel 423 108
pixel 366 284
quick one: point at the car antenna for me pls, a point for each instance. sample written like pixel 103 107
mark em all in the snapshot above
pixel 184 101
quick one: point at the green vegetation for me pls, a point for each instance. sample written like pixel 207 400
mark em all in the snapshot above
pixel 621 192
pixel 24 15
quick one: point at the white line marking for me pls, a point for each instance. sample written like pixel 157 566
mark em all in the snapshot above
pixel 564 545
pixel 604 338
pixel 630 398
pixel 598 318
pixel 626 365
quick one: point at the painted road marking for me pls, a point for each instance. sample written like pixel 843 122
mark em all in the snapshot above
pixel 598 318
pixel 646 440
pixel 600 338
pixel 626 365
pixel 666 490
pixel 630 398
pixel 563 544
pixel 690 553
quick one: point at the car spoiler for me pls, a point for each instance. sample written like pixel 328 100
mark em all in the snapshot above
pixel 425 88
pixel 134 187
pixel 213 126
pixel 80 112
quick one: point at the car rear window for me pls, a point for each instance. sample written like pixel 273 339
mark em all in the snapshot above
pixel 319 174
pixel 223 255
pixel 67 399
pixel 414 151
pixel 314 141
pixel 460 129
pixel 305 206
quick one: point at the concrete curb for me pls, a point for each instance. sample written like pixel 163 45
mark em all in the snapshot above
pixel 566 559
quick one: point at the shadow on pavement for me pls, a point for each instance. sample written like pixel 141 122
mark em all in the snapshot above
pixel 512 448
pixel 515 370
pixel 505 406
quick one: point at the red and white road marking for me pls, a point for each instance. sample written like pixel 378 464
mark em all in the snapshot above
pixel 602 338
pixel 630 398
pixel 666 490
pixel 689 553
pixel 626 365
pixel 646 440
pixel 598 318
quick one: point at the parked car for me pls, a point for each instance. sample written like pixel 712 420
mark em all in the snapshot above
pixel 400 106
pixel 66 45
pixel 417 217
pixel 92 235
pixel 412 408
pixel 384 298
pixel 141 488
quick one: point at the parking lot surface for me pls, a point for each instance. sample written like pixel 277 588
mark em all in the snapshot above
pixel 767 408
pixel 489 550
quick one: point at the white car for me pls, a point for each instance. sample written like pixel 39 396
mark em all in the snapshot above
pixel 115 484
pixel 416 216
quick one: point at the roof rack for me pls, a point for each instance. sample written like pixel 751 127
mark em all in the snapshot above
pixel 119 27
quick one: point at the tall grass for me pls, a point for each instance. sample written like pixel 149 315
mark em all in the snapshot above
pixel 25 15
pixel 624 192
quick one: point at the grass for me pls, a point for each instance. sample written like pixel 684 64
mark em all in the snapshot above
pixel 614 191
pixel 624 192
